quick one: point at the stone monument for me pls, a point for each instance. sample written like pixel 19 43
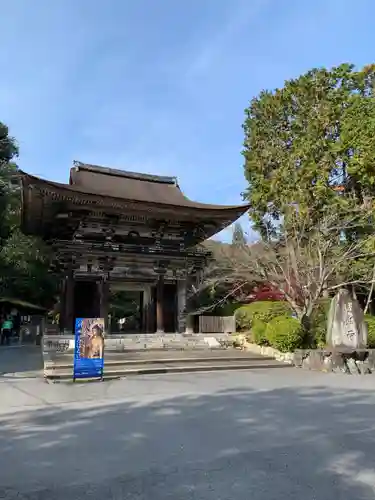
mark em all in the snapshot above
pixel 346 327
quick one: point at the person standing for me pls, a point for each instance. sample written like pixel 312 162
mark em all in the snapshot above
pixel 6 330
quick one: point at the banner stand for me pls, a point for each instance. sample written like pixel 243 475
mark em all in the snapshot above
pixel 102 376
pixel 89 349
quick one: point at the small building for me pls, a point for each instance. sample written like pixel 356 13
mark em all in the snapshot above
pixel 27 317
pixel 118 230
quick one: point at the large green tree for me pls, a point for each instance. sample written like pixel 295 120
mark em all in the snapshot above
pixel 24 261
pixel 315 134
pixel 8 198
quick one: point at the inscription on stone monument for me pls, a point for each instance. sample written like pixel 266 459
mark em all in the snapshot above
pixel 346 327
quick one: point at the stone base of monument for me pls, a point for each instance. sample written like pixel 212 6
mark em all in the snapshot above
pixel 337 360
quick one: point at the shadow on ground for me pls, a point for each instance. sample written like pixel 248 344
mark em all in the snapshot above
pixel 306 443
pixel 18 360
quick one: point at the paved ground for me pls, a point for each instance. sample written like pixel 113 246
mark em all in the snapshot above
pixel 20 361
pixel 260 435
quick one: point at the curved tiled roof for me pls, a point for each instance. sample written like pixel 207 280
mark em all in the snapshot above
pixel 130 186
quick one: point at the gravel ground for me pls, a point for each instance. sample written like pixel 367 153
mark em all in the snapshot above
pixel 260 435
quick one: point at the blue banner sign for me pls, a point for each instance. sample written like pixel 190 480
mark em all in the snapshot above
pixel 89 348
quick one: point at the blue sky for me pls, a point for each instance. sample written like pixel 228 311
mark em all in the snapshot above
pixel 160 86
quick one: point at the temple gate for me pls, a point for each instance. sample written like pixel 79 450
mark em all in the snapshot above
pixel 112 229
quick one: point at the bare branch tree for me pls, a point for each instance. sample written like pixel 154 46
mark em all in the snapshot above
pixel 217 283
pixel 303 263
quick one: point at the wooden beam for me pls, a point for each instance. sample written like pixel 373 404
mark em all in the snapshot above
pixel 160 304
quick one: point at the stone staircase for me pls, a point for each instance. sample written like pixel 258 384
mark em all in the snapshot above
pixel 153 354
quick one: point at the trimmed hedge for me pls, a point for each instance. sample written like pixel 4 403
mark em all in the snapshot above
pixel 370 320
pixel 285 334
pixel 262 311
pixel 258 333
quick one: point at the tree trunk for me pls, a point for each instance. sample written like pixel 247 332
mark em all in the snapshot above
pixel 306 322
pixel 369 298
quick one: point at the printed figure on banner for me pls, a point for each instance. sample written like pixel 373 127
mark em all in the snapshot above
pixel 89 348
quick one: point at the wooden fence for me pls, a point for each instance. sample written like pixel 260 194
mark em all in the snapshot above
pixel 217 324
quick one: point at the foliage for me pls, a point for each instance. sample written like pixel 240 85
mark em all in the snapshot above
pixel 306 262
pixel 265 292
pixel 315 133
pixel 285 334
pixel 319 320
pixel 8 200
pixel 24 264
pixel 217 287
pixel 238 235
pixel 370 320
pixel 264 311
pixel 228 309
pixel 24 261
pixel 361 270
pixel 8 147
pixel 258 332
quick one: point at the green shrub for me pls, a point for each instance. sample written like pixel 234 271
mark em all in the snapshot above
pixel 258 333
pixel 285 334
pixel 319 334
pixel 243 321
pixel 318 323
pixel 263 311
pixel 370 320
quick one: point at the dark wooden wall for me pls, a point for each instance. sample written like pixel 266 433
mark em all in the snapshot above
pixel 170 308
pixel 86 299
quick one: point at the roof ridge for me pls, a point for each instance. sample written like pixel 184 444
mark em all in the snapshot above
pixel 163 179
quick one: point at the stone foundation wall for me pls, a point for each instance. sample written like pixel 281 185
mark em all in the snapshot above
pixel 284 357
pixel 57 347
pixel 354 362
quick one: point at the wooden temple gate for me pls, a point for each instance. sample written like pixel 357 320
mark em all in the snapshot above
pixel 111 227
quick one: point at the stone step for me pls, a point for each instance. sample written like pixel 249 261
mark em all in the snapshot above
pixel 111 372
pixel 142 359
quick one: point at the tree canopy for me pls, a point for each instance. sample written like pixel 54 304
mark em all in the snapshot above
pixel 24 261
pixel 8 202
pixel 302 263
pixel 302 141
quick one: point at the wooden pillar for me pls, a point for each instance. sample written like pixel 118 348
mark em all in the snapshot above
pixel 147 306
pixel 189 330
pixel 69 301
pixel 104 302
pixel 62 306
pixel 181 305
pixel 141 318
pixel 145 311
pixel 160 302
pixel 152 311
